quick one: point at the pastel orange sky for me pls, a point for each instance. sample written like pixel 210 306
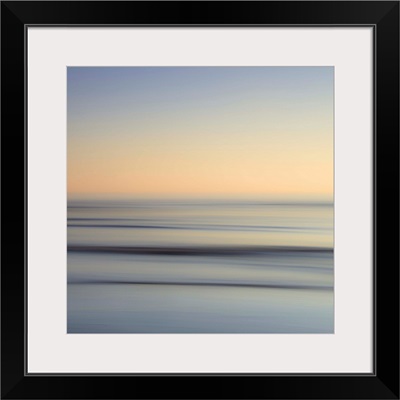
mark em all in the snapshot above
pixel 223 131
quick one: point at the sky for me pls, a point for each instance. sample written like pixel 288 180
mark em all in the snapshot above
pixel 200 131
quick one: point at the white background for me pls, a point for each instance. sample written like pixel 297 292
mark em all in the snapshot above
pixel 50 348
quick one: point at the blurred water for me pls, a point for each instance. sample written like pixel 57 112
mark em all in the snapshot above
pixel 200 267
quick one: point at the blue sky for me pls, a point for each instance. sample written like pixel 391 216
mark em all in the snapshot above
pixel 156 130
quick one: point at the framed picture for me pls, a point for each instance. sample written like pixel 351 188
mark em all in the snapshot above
pixel 210 206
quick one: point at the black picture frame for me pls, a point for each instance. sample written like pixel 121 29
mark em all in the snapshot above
pixel 383 383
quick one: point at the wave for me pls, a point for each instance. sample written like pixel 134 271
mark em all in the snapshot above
pixel 200 250
pixel 197 227
pixel 127 226
pixel 211 284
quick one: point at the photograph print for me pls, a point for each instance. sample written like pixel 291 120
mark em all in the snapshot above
pixel 200 200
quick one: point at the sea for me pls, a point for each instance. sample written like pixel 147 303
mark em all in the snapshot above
pixel 200 266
